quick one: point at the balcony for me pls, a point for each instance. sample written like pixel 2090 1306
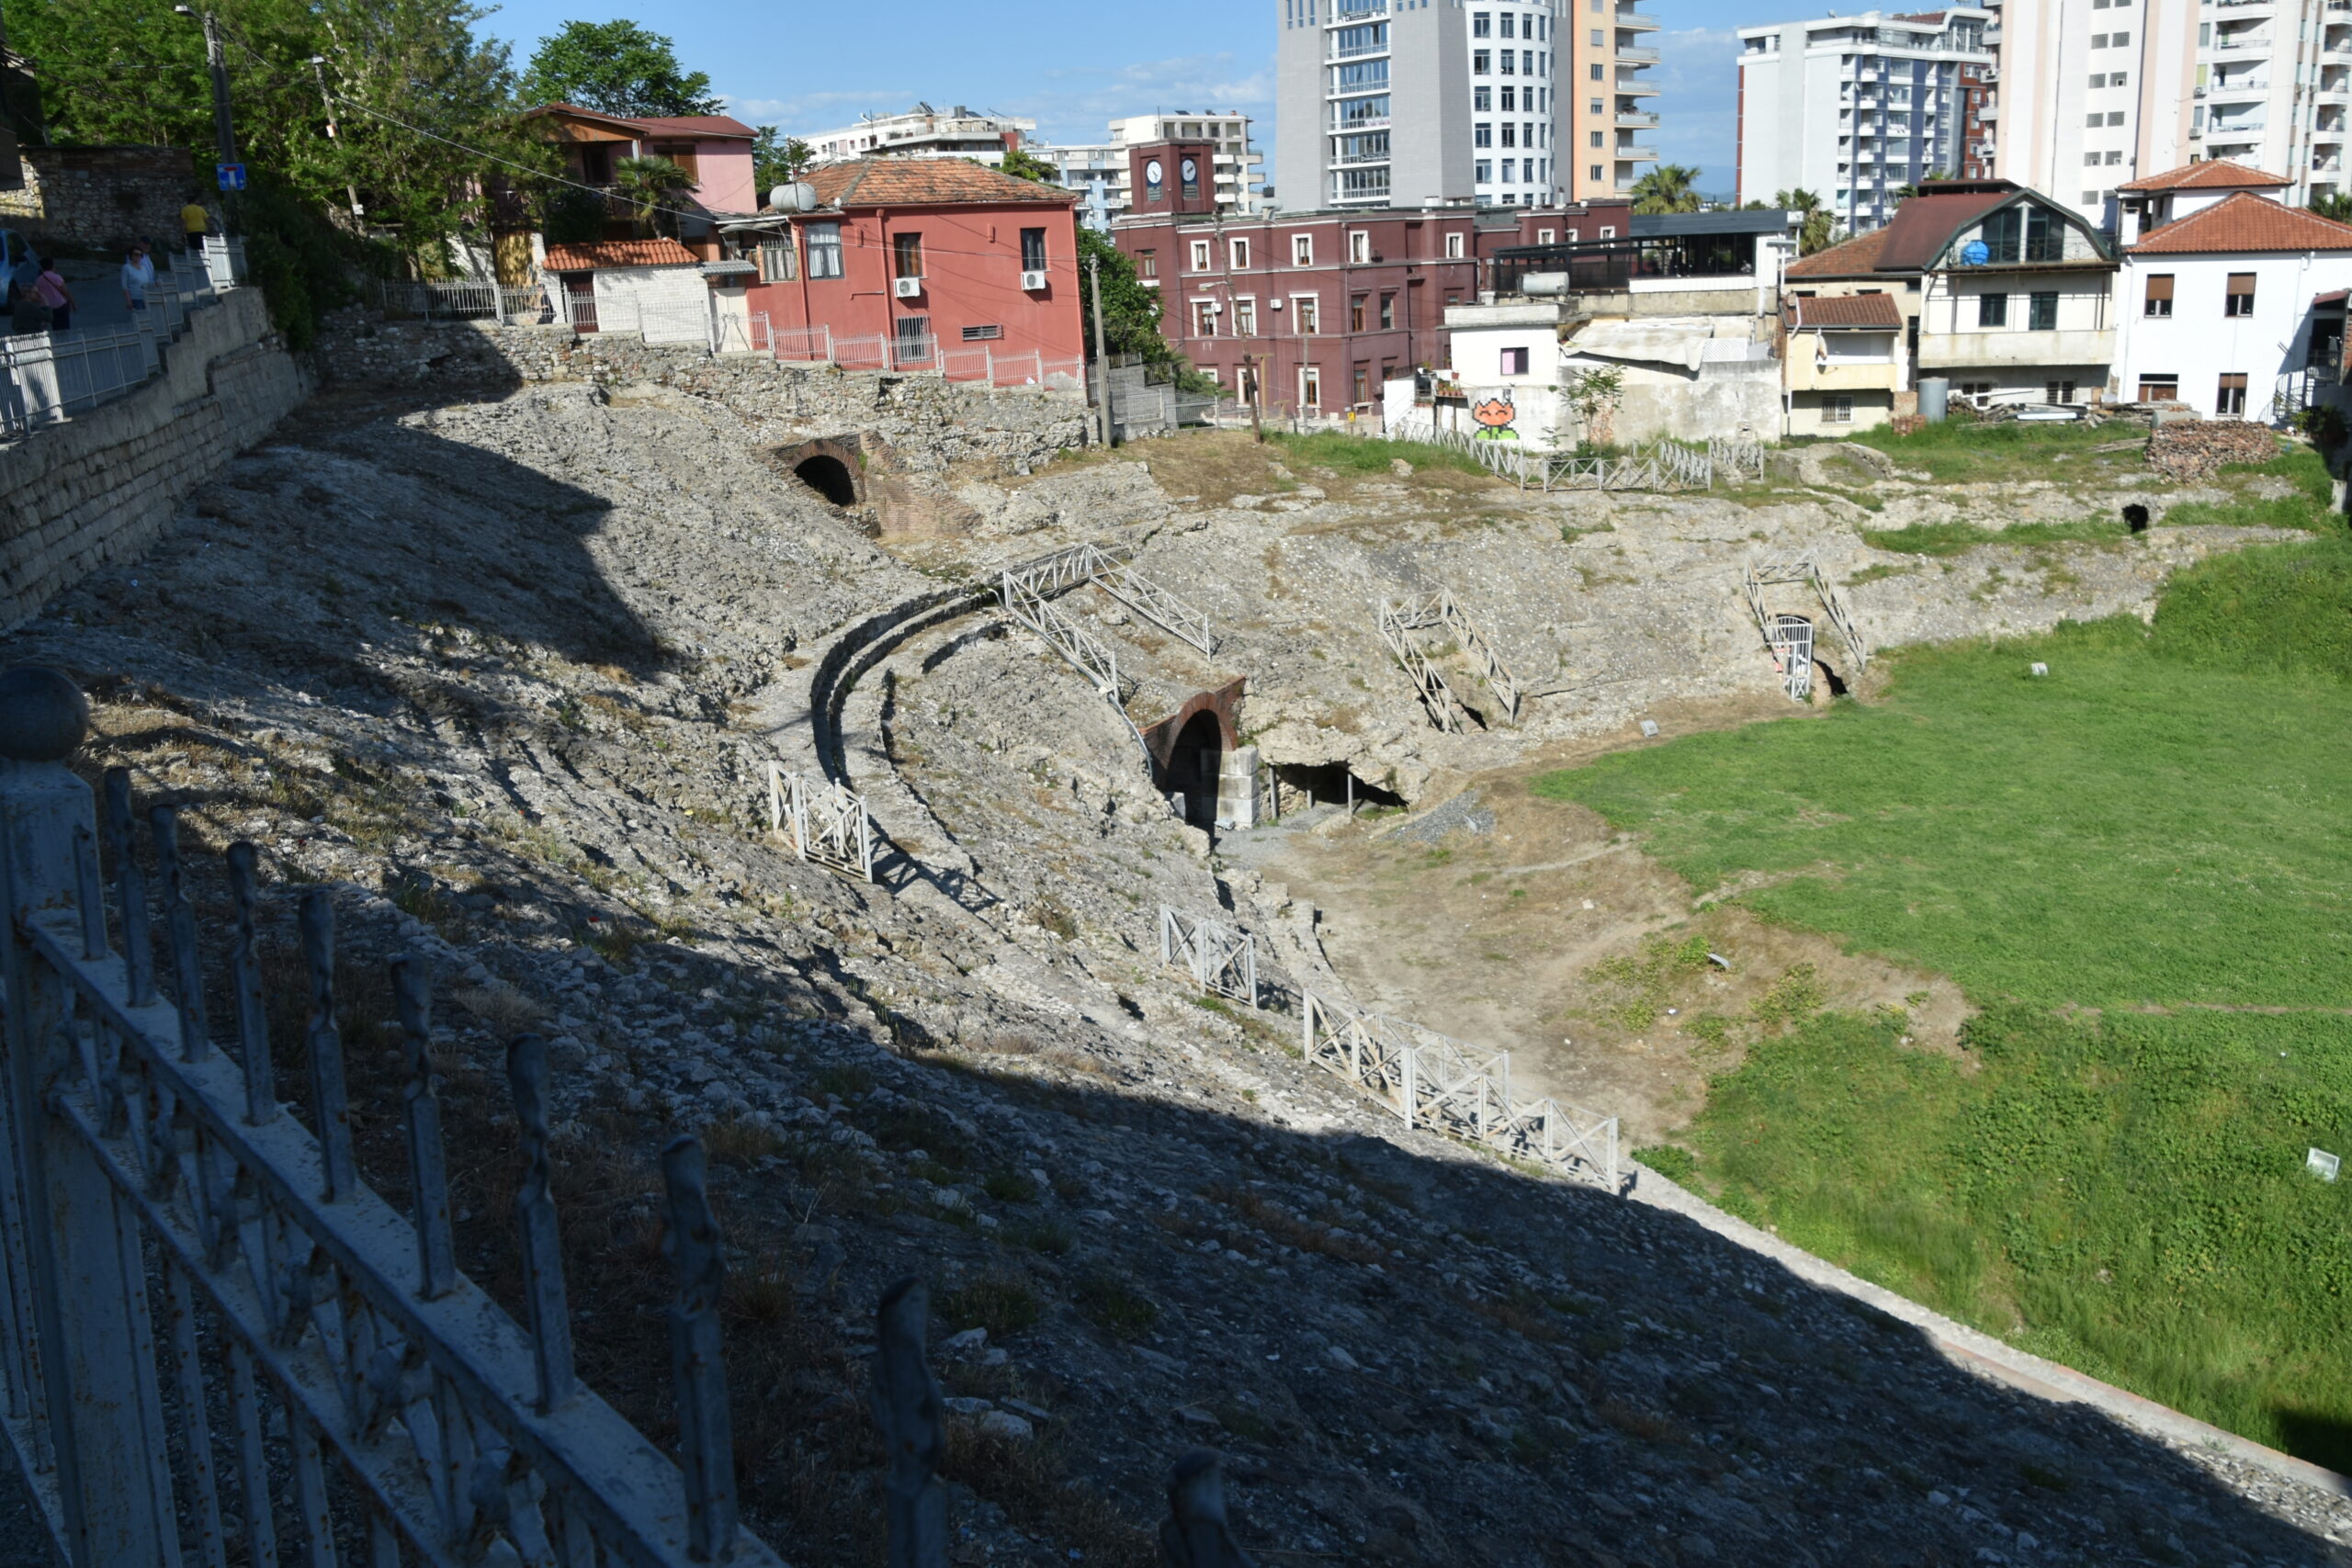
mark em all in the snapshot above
pixel 2226 42
pixel 1634 86
pixel 1636 20
pixel 1358 52
pixel 1358 160
pixel 1637 56
pixel 1378 122
pixel 1636 119
pixel 2240 89
pixel 1631 152
pixel 1807 374
pixel 1996 350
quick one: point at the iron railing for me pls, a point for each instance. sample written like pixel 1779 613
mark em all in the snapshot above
pixel 1221 961
pixel 167 1221
pixel 825 822
pixel 49 377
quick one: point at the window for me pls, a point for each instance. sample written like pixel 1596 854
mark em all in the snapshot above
pixel 1205 318
pixel 2058 391
pixel 1364 383
pixel 1992 309
pixel 1302 249
pixel 906 255
pixel 2121 40
pixel 1596 170
pixel 1608 230
pixel 2118 78
pixel 2041 311
pixel 2090 160
pixel 1510 61
pixel 2239 301
pixel 1453 247
pixel 1240 251
pixel 1200 255
pixel 824 250
pixel 2115 156
pixel 1307 312
pixel 1483 134
pixel 1483 170
pixel 1510 134
pixel 1596 142
pixel 1511 23
pixel 2115 117
pixel 1355 313
pixel 2095 120
pixel 1359 246
pixel 1482 60
pixel 982 335
pixel 1546 236
pixel 1146 264
pixel 1387 313
pixel 1482 99
pixel 2155 387
pixel 914 338
pixel 1511 171
pixel 1311 387
pixel 2098 82
pixel 2159 296
pixel 1838 410
pixel 1510 98
pixel 1597 75
pixel 2099 40
pixel 1482 24
pixel 1514 362
pixel 1245 317
pixel 776 261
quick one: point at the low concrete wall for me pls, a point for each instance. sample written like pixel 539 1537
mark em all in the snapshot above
pixel 930 423
pixel 100 488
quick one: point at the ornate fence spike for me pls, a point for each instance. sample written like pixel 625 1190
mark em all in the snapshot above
pixel 550 1318
pixel 329 1098
pixel 180 933
pixel 1195 1534
pixel 436 1264
pixel 706 1441
pixel 244 963
pixel 914 1432
pixel 130 887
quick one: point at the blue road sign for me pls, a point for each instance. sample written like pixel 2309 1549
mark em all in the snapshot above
pixel 231 175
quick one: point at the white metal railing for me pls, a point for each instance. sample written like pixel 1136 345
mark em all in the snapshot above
pixel 463 300
pixel 1145 597
pixel 51 377
pixel 803 345
pixel 1779 641
pixel 871 352
pixel 826 823
pixel 1026 592
pixel 1444 610
pixel 1433 1081
pixel 181 1251
pixel 1221 961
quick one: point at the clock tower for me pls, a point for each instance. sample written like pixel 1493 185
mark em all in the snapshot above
pixel 1173 176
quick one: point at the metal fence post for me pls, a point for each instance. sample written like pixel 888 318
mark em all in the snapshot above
pixel 94 1348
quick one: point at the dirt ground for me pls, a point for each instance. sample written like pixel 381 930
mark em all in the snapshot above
pixel 1497 938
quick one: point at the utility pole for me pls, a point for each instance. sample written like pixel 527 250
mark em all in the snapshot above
pixel 319 71
pixel 1102 359
pixel 1257 395
pixel 217 59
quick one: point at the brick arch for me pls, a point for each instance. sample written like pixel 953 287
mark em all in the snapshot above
pixel 1161 738
pixel 831 466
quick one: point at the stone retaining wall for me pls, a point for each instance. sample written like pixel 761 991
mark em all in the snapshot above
pixel 100 488
pixel 97 198
pixel 930 423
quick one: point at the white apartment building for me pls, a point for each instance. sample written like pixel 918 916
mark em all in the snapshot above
pixel 2094 94
pixel 923 132
pixel 1410 103
pixel 1854 108
pixel 1099 171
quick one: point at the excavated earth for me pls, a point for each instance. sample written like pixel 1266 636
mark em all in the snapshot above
pixel 510 678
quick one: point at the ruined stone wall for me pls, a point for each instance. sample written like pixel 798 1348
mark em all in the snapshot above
pixel 96 198
pixel 100 487
pixel 929 422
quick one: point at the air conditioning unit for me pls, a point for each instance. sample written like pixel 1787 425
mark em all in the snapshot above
pixel 907 287
pixel 1033 281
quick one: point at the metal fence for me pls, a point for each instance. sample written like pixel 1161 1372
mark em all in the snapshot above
pixel 463 300
pixel 1432 1080
pixel 827 823
pixel 1221 961
pixel 179 1247
pixel 1444 610
pixel 49 377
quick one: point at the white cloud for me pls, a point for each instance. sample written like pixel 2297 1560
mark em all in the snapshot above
pixel 1697 102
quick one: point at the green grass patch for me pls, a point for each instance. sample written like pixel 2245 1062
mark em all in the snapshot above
pixel 2308 508
pixel 1366 457
pixel 1953 539
pixel 2104 858
pixel 1962 451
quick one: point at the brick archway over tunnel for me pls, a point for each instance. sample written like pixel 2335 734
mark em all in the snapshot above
pixel 830 465
pixel 1189 745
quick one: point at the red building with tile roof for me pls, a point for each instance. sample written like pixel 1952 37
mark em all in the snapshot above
pixel 715 150
pixel 923 263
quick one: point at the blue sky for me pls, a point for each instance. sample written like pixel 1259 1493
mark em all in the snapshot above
pixel 1072 66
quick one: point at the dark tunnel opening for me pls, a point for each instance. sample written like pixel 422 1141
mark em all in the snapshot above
pixel 830 477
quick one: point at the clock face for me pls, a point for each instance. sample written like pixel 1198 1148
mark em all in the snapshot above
pixel 1151 171
pixel 1192 171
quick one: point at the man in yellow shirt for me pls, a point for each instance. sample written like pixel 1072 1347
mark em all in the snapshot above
pixel 195 222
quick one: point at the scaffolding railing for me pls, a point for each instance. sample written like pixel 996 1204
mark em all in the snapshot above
pixel 1434 1081
pixel 826 823
pixel 1760 575
pixel 1441 609
pixel 1222 962
pixel 1445 708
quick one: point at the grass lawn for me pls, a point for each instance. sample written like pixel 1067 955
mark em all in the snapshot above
pixel 2107 859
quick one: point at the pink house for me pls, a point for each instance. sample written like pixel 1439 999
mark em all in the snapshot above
pixel 715 149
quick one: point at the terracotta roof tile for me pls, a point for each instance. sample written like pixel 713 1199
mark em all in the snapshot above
pixel 2214 173
pixel 619 252
pixel 1857 257
pixel 925 182
pixel 2246 223
pixel 1874 311
pixel 1924 225
pixel 719 125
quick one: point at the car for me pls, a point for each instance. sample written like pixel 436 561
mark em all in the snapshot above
pixel 18 264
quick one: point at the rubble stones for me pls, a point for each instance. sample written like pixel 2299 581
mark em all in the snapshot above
pixel 2188 450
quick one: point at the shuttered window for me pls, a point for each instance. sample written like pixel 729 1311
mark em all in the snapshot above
pixel 2159 302
pixel 2240 296
pixel 2230 401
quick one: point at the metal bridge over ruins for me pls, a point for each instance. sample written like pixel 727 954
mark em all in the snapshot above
pixel 1398 623
pixel 827 823
pixel 1790 638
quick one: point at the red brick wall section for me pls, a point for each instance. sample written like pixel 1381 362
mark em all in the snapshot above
pixel 1225 702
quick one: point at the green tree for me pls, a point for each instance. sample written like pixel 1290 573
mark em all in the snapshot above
pixel 1667 188
pixel 2337 208
pixel 1818 230
pixel 1906 192
pixel 777 158
pixel 1024 166
pixel 615 67
pixel 655 186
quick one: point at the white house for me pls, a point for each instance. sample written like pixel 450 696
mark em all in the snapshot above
pixel 2233 302
pixel 656 288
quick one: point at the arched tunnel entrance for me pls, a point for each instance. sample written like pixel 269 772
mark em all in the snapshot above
pixel 827 466
pixel 1194 763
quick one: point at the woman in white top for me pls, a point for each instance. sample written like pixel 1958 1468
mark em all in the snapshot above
pixel 137 274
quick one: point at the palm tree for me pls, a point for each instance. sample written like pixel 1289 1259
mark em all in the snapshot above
pixel 1819 229
pixel 1667 188
pixel 1906 192
pixel 649 186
